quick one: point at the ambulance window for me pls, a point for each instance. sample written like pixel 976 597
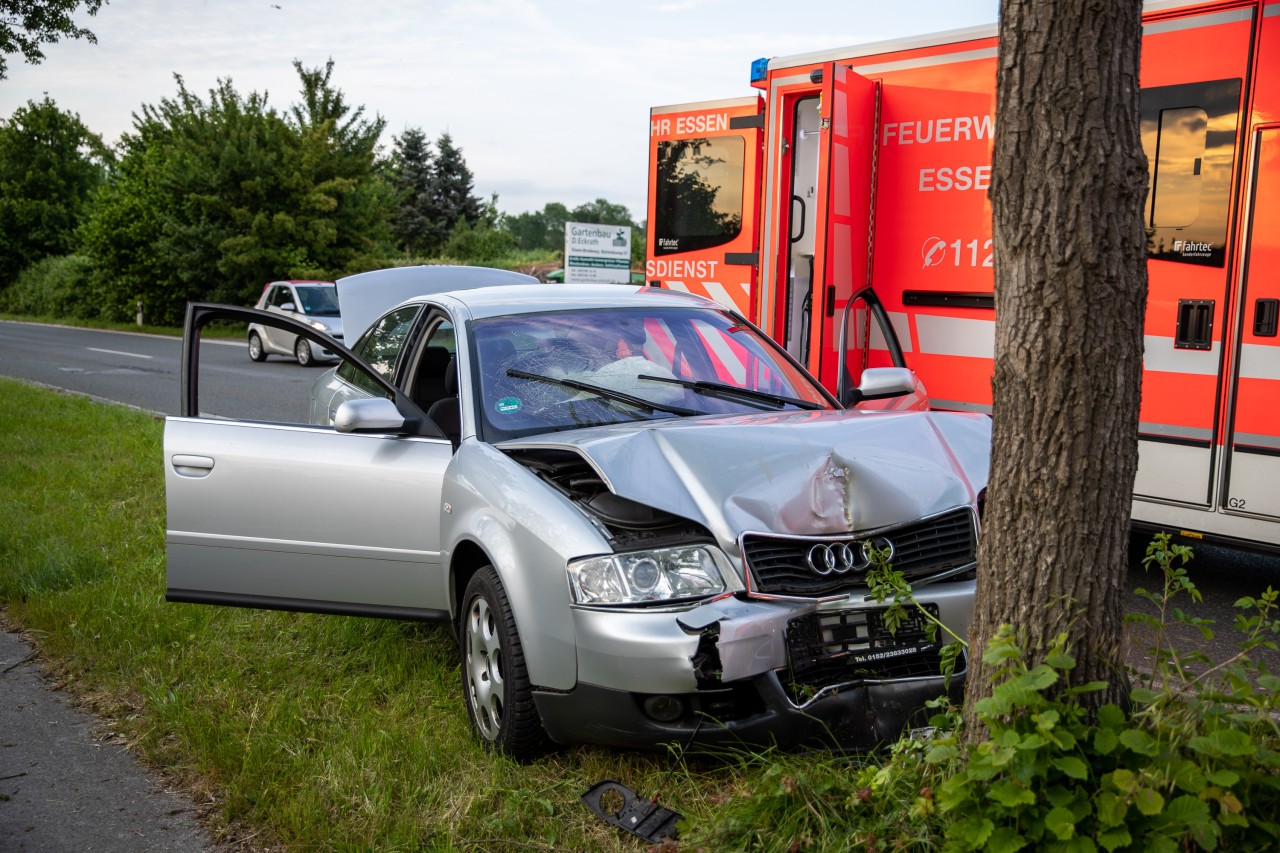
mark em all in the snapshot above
pixel 1189 135
pixel 699 193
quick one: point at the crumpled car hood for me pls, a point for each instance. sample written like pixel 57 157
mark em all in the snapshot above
pixel 802 473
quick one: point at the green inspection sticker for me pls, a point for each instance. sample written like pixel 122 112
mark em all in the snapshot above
pixel 507 405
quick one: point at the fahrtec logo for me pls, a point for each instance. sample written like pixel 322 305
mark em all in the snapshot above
pixel 1191 247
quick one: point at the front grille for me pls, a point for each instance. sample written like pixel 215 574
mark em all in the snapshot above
pixel 779 565
pixel 831 649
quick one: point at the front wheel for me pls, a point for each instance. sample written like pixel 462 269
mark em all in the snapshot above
pixel 256 352
pixel 495 682
pixel 302 352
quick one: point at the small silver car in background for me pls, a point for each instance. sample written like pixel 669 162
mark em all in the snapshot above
pixel 312 302
pixel 643 521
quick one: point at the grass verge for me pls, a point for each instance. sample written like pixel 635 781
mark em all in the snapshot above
pixel 291 730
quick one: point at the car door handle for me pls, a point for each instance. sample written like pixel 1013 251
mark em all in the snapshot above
pixel 192 466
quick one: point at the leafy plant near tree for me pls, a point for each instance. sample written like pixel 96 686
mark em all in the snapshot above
pixel 1193 763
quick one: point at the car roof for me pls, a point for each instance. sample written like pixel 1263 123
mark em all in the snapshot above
pixel 504 301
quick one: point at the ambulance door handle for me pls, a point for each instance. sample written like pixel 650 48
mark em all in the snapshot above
pixel 803 210
pixel 1266 318
pixel 1194 328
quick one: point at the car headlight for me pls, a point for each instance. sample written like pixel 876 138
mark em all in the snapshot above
pixel 316 324
pixel 664 574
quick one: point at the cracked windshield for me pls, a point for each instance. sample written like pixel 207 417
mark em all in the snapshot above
pixel 571 369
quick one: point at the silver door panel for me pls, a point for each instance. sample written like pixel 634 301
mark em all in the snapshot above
pixel 304 513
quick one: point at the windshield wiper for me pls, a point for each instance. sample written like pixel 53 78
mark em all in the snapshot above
pixel 607 393
pixel 723 390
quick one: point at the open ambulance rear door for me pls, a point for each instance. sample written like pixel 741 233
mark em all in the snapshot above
pixel 704 190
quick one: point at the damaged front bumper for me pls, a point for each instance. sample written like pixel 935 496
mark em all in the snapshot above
pixel 755 671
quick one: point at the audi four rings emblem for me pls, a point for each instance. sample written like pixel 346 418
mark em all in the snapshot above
pixel 841 557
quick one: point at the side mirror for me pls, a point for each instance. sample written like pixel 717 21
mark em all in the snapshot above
pixel 374 414
pixel 288 306
pixel 879 383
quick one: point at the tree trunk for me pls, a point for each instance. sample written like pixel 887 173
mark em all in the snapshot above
pixel 1068 183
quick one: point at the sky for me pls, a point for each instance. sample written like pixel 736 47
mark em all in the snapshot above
pixel 548 99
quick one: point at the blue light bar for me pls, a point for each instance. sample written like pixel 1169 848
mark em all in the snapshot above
pixel 759 69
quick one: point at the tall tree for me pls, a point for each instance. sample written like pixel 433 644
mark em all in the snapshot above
pixel 27 24
pixel 324 109
pixel 452 195
pixel 50 163
pixel 607 213
pixel 1068 183
pixel 345 212
pixel 216 197
pixel 529 229
pixel 411 176
pixel 123 237
pixel 555 215
pixel 602 211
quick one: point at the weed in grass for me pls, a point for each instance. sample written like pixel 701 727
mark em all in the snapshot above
pixel 1194 765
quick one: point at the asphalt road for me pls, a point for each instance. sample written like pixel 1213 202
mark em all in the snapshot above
pixel 143 370
pixel 68 784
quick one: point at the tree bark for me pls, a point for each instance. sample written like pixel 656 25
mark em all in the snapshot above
pixel 1068 184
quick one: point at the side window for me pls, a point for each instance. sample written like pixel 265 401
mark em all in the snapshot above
pixel 1189 136
pixel 280 296
pixel 380 347
pixel 441 335
pixel 426 382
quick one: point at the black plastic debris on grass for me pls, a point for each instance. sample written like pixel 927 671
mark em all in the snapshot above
pixel 638 816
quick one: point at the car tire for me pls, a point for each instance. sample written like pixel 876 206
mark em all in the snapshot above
pixel 495 681
pixel 256 352
pixel 302 352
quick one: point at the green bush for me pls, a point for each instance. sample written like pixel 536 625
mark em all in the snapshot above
pixel 53 287
pixel 479 243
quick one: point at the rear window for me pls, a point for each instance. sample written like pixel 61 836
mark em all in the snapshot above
pixel 1189 137
pixel 698 193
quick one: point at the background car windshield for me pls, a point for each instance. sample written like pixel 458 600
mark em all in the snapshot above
pixel 317 300
pixel 615 349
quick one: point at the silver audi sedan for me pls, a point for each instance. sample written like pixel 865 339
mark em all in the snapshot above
pixel 644 522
